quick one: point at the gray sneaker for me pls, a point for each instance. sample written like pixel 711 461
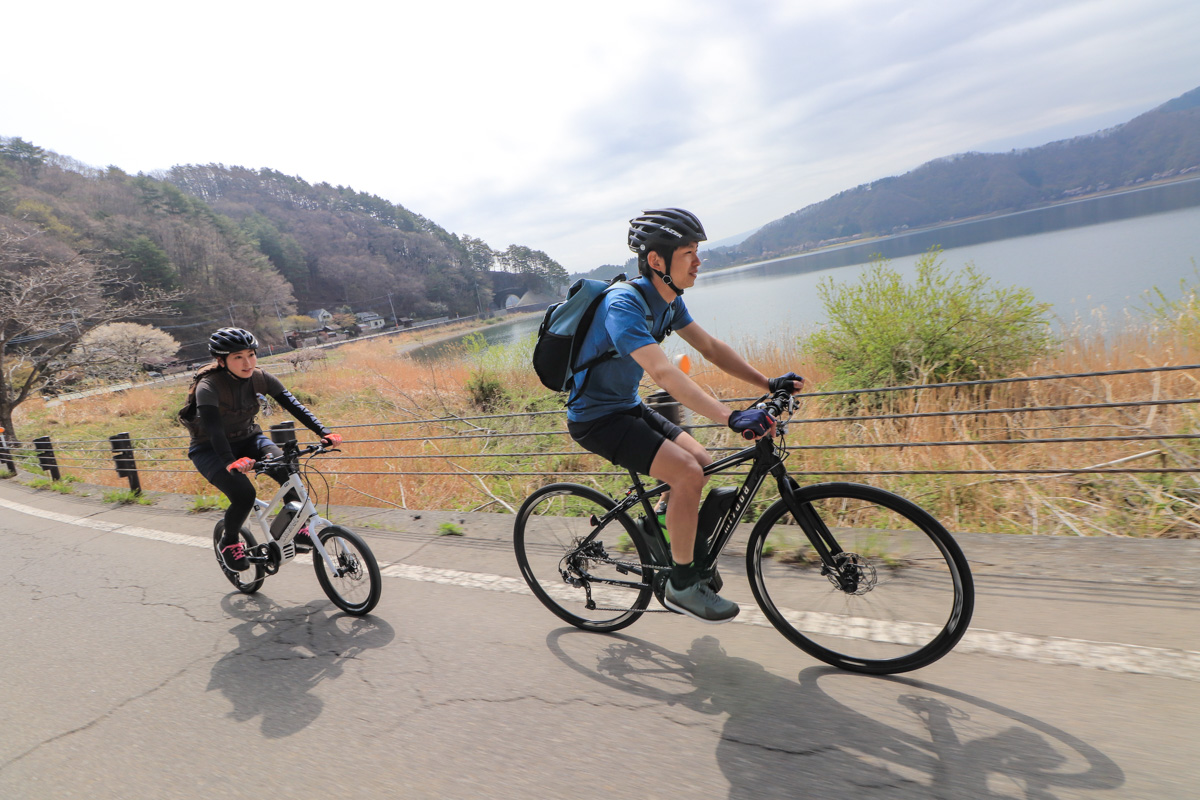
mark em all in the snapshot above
pixel 713 579
pixel 698 602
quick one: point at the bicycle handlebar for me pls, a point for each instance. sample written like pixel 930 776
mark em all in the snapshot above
pixel 312 449
pixel 779 402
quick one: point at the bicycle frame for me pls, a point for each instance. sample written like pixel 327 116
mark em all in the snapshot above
pixel 307 515
pixel 574 554
pixel 767 460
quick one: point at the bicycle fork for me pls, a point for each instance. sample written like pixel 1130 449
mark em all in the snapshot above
pixel 841 568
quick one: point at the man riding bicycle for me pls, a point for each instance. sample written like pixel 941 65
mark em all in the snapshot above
pixel 606 416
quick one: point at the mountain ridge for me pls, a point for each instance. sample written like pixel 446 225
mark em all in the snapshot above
pixel 1161 144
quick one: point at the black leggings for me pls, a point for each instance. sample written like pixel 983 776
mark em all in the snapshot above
pixel 235 485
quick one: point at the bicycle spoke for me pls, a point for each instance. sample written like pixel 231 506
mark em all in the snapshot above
pixel 592 583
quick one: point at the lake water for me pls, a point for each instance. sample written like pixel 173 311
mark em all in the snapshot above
pixel 1095 274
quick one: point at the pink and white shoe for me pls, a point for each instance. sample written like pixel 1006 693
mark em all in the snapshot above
pixel 303 541
pixel 233 556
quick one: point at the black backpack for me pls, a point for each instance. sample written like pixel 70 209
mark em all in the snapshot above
pixel 560 336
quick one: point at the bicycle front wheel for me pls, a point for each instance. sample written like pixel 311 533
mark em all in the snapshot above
pixel 904 596
pixel 356 585
pixel 597 586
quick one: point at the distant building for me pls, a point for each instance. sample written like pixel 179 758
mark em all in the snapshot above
pixel 322 316
pixel 369 321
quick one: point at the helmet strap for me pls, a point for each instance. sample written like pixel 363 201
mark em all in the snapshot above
pixel 667 280
pixel 666 276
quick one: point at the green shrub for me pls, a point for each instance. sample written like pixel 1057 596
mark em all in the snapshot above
pixel 943 326
pixel 61 486
pixel 484 384
pixel 487 392
pixel 209 502
pixel 1181 315
pixel 126 496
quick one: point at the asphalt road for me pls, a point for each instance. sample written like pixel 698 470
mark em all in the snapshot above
pixel 130 670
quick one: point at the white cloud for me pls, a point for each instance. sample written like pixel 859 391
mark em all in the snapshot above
pixel 550 124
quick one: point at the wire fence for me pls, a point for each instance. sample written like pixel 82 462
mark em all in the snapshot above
pixel 1091 425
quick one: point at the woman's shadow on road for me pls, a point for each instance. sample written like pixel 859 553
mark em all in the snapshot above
pixel 283 653
pixel 836 734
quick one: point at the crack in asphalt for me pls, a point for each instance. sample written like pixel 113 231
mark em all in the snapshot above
pixel 102 717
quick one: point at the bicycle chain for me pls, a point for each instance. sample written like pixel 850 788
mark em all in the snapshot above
pixel 615 562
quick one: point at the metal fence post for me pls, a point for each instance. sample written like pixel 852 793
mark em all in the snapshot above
pixel 6 457
pixel 123 457
pixel 45 454
pixel 283 432
pixel 662 402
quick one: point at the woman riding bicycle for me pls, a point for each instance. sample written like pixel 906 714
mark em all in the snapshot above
pixel 226 439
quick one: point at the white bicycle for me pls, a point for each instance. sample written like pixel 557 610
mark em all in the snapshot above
pixel 345 566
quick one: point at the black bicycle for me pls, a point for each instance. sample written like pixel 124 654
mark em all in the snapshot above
pixel 855 576
pixel 345 566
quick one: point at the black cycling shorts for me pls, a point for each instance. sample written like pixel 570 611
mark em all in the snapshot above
pixel 628 439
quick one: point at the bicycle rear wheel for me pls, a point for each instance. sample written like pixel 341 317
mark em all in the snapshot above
pixel 358 583
pixel 600 586
pixel 909 595
pixel 249 580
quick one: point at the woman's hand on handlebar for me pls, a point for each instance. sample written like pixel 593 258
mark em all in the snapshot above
pixel 331 440
pixel 242 465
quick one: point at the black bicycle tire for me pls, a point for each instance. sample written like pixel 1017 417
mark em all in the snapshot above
pixel 606 503
pixel 374 575
pixel 961 609
pixel 259 571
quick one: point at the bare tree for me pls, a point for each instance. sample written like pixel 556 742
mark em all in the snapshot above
pixel 122 349
pixel 50 297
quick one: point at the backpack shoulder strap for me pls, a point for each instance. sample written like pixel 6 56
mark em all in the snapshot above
pixel 224 388
pixel 585 323
pixel 641 295
pixel 581 330
pixel 259 380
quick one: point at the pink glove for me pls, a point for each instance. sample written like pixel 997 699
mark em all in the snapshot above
pixel 243 464
pixel 331 439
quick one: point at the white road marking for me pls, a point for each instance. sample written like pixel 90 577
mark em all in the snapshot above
pixel 1110 656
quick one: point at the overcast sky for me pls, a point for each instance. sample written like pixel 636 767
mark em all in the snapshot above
pixel 550 124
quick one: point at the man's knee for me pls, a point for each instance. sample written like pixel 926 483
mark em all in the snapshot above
pixel 694 448
pixel 678 467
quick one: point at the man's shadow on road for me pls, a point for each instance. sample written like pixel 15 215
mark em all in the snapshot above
pixel 836 734
pixel 282 653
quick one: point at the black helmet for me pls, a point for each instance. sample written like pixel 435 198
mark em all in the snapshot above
pixel 231 340
pixel 662 231
pixel 664 227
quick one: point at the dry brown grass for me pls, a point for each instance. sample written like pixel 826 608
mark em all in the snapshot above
pixel 377 399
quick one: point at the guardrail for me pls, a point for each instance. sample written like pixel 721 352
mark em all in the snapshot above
pixel 529 447
pixel 123 447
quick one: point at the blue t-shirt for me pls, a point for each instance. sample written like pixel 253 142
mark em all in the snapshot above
pixel 620 323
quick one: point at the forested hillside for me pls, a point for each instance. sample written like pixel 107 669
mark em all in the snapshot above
pixel 337 246
pixel 1161 144
pixel 253 247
